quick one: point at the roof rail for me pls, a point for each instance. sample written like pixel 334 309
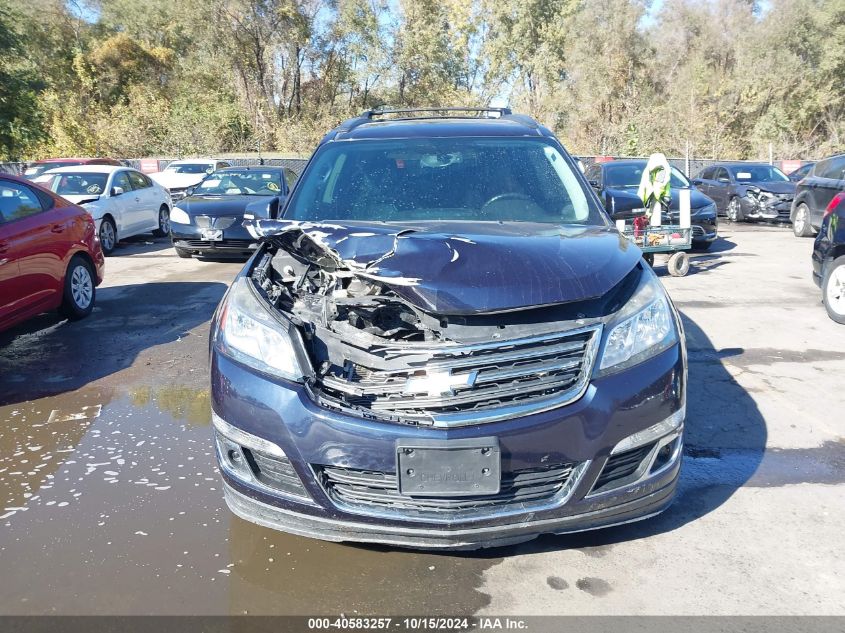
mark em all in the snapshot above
pixel 370 114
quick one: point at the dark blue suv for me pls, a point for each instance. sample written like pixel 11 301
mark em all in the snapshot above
pixel 442 341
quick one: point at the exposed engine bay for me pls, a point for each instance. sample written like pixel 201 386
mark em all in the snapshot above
pixel 378 353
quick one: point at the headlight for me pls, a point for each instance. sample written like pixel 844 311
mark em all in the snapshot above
pixel 710 208
pixel 643 327
pixel 254 336
pixel 180 216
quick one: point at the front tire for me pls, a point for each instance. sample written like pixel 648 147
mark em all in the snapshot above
pixel 735 210
pixel 163 222
pixel 80 289
pixel 801 226
pixel 833 290
pixel 108 235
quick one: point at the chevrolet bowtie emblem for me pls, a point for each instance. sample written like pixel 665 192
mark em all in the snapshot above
pixel 440 383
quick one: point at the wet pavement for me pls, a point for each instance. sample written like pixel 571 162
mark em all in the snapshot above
pixel 110 502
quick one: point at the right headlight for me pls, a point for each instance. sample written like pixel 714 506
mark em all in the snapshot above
pixel 180 216
pixel 251 334
pixel 642 328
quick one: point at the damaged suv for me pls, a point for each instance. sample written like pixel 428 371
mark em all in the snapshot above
pixel 442 341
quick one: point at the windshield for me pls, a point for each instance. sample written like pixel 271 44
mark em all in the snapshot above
pixel 757 173
pixel 629 174
pixel 480 179
pixel 75 183
pixel 189 168
pixel 252 182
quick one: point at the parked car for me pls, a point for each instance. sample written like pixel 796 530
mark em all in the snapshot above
pixel 38 167
pixel 123 202
pixel 802 172
pixel 50 256
pixel 621 178
pixel 442 341
pixel 748 191
pixel 814 193
pixel 209 221
pixel 179 175
pixel 829 258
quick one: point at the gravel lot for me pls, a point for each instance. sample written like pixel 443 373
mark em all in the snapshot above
pixel 110 502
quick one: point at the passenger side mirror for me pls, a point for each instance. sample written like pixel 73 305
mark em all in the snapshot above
pixel 116 191
pixel 624 206
pixel 724 180
pixel 594 184
pixel 696 182
pixel 190 191
pixel 264 209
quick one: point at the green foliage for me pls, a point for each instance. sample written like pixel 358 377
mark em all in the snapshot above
pixel 727 77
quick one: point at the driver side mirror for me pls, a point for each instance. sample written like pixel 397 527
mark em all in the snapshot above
pixel 594 184
pixel 723 180
pixel 116 191
pixel 190 191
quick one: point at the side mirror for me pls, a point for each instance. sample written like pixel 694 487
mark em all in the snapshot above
pixel 190 191
pixel 624 206
pixel 264 209
pixel 724 180
pixel 116 191
pixel 594 184
pixel 696 182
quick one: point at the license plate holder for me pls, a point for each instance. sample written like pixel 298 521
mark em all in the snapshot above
pixel 449 468
pixel 212 235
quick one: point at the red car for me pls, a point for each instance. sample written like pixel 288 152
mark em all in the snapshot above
pixel 50 256
pixel 38 167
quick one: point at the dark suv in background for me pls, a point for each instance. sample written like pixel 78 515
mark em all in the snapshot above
pixel 814 194
pixel 442 341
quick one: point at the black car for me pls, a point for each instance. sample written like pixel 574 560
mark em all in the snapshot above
pixel 829 258
pixel 748 191
pixel 618 179
pixel 209 220
pixel 814 194
pixel 444 342
pixel 800 173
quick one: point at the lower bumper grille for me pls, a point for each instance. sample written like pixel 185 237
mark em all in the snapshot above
pixel 228 244
pixel 621 466
pixel 369 492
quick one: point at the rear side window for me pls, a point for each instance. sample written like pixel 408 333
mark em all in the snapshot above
pixel 138 180
pixel 831 168
pixel 17 202
pixel 290 178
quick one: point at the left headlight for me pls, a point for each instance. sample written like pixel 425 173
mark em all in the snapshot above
pixel 180 216
pixel 643 327
pixel 252 335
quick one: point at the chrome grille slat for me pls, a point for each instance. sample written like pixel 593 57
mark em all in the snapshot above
pixel 493 380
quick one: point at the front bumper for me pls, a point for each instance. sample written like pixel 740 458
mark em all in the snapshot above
pixel 777 209
pixel 236 241
pixel 614 407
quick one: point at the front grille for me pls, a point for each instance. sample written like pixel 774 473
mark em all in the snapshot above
pixel 697 231
pixel 209 222
pixel 467 384
pixel 368 492
pixel 241 244
pixel 621 466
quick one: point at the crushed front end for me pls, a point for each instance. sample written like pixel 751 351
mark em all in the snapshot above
pixel 354 401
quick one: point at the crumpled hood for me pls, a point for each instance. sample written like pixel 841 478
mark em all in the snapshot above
pixel 172 180
pixel 216 206
pixel 466 267
pixel 773 187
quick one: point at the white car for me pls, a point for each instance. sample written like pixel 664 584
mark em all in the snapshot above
pixel 179 175
pixel 123 201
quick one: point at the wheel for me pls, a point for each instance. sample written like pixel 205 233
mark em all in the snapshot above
pixel 701 246
pixel 163 222
pixel 735 210
pixel 678 264
pixel 649 258
pixel 108 235
pixel 833 290
pixel 80 289
pixel 181 252
pixel 801 224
